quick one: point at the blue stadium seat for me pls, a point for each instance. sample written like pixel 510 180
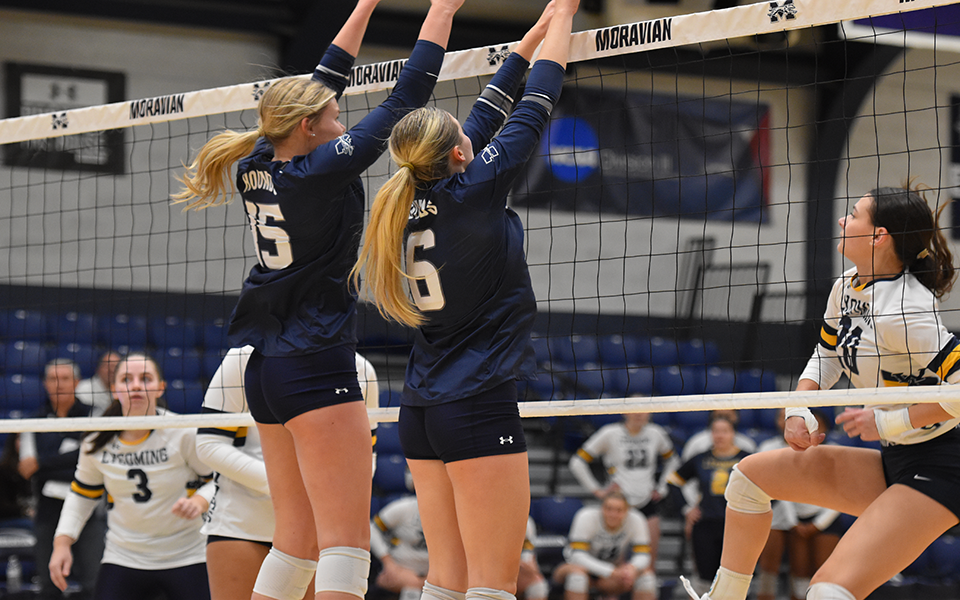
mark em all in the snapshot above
pixel 720 380
pixel 766 418
pixel 619 351
pixel 22 393
pixel 173 331
pixel 658 351
pixel 593 383
pixel 389 398
pixel 679 380
pixel 698 352
pixel 544 387
pixel 79 328
pixel 23 356
pixel 756 380
pixel 26 325
pixel 692 421
pixel 388 439
pixel 391 476
pixel 598 421
pixel 182 363
pixel 215 334
pixel 541 348
pixel 635 381
pixel 575 349
pixel 748 419
pixel 553 515
pixel 85 355
pixel 184 396
pixel 121 330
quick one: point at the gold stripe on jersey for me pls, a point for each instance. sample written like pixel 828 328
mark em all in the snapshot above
pixel 676 480
pixel 585 546
pixel 87 491
pixel 947 361
pixel 585 455
pixel 667 455
pixel 229 432
pixel 641 549
pixel 379 523
pixel 373 435
pixel 828 337
pixel 528 545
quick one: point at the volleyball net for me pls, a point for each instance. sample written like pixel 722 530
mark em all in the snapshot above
pixel 680 213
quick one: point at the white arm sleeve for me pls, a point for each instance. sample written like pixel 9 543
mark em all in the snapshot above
pixel 207 491
pixel 824 366
pixel 640 540
pixel 28 445
pixel 593 565
pixel 219 453
pixel 581 470
pixel 74 515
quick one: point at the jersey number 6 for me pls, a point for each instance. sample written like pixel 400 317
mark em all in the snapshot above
pixel 424 271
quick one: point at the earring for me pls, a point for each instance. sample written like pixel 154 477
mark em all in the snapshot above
pixel 313 135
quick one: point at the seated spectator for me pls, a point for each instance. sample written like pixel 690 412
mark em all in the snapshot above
pixel 531 585
pixel 598 553
pixel 702 441
pixel 630 451
pixel 95 392
pixel 705 519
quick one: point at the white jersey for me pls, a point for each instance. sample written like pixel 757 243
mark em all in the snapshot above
pixel 886 333
pixel 630 460
pixel 241 507
pixel 599 550
pixel 142 480
pixel 399 532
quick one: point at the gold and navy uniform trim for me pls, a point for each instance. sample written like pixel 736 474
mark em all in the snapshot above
pixel 585 455
pixel 92 492
pixel 947 361
pixel 828 337
pixel 585 546
pixel 641 549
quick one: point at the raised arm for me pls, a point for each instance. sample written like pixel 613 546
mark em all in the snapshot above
pixel 556 43
pixel 436 27
pixel 351 34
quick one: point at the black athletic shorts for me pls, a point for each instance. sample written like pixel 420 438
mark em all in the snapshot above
pixel 123 583
pixel 224 538
pixel 932 468
pixel 650 509
pixel 280 388
pixel 487 424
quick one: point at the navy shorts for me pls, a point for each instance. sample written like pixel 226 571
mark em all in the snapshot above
pixel 280 388
pixel 487 424
pixel 932 468
pixel 650 509
pixel 123 583
pixel 223 538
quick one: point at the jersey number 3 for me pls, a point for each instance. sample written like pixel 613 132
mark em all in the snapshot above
pixel 424 272
pixel 143 492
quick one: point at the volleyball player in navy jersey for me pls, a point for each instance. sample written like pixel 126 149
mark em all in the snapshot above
pixel 473 302
pixel 299 178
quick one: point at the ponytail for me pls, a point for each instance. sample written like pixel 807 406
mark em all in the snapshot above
pixel 420 143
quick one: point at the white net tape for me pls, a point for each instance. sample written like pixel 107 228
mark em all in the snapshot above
pixel 552 408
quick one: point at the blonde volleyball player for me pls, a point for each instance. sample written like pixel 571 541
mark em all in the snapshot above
pixel 474 307
pixel 239 523
pixel 299 177
pixel 882 327
pixel 153 525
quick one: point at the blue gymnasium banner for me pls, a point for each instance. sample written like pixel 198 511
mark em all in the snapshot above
pixel 639 153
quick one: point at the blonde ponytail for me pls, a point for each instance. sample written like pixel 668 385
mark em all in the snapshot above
pixel 207 180
pixel 421 143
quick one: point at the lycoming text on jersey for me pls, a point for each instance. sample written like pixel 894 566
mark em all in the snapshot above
pixel 161 105
pixel 636 34
pixel 133 459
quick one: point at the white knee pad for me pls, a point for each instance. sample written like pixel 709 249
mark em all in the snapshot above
pixel 646 582
pixel 435 592
pixel 828 591
pixel 538 590
pixel 578 583
pixel 284 577
pixel 799 585
pixel 744 496
pixel 767 584
pixel 479 593
pixel 343 569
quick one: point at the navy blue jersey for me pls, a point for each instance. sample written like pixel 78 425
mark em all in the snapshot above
pixel 476 294
pixel 306 216
pixel 712 474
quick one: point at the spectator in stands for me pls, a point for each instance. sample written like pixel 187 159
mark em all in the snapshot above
pixel 784 519
pixel 15 497
pixel 397 540
pixel 50 465
pixel 600 542
pixel 95 392
pixel 702 441
pixel 705 519
pixel 630 451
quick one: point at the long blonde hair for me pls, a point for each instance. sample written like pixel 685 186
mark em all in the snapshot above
pixel 420 144
pixel 286 102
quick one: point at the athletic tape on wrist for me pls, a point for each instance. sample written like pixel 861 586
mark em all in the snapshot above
pixel 813 426
pixel 892 423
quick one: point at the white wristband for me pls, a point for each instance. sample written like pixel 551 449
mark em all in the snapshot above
pixel 813 426
pixel 892 423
